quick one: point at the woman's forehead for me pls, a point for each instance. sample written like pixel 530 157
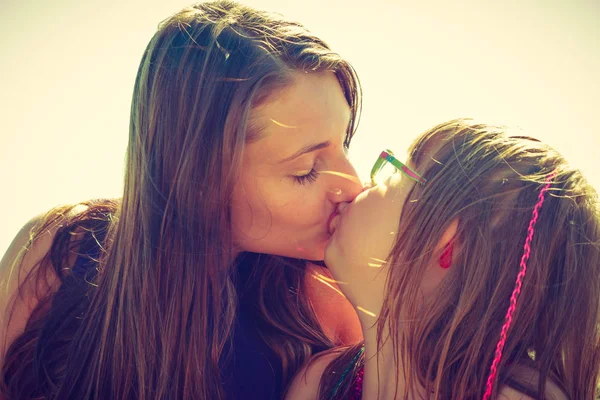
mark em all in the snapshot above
pixel 311 110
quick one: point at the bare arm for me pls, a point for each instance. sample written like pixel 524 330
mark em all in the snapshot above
pixel 15 265
pixel 20 290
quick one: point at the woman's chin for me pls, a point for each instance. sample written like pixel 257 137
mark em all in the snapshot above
pixel 313 252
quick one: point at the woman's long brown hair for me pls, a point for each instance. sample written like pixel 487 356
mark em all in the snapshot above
pixel 489 181
pixel 152 320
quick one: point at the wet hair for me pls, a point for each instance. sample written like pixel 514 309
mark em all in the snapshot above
pixel 153 318
pixel 489 181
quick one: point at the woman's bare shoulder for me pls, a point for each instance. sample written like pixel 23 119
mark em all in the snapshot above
pixel 334 312
pixel 20 286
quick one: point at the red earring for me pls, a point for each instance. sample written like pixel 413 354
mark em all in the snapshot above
pixel 446 257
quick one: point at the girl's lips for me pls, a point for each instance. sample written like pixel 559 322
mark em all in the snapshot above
pixel 334 218
pixel 332 223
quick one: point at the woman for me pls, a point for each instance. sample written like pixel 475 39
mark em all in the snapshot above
pixel 475 273
pixel 196 283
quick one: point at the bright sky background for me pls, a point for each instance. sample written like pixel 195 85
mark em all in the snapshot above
pixel 68 67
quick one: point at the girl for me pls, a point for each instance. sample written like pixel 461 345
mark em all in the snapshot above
pixel 475 273
pixel 196 284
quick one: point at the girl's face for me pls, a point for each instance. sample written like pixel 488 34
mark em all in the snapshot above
pixel 295 175
pixel 363 235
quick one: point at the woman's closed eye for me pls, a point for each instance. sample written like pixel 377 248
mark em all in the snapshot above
pixel 305 178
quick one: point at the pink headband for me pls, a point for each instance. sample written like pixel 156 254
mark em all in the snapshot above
pixel 517 290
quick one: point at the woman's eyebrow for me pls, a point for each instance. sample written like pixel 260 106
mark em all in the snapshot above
pixel 307 149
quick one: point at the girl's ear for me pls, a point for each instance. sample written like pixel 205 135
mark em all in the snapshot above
pixel 445 245
pixel 441 260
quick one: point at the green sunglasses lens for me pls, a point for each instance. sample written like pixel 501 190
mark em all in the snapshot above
pixel 384 172
pixel 382 168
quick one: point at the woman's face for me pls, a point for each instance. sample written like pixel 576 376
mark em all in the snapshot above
pixel 295 175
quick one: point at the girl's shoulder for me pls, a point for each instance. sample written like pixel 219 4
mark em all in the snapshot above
pixel 552 393
pixel 525 373
pixel 508 393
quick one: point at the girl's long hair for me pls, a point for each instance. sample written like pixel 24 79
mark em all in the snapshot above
pixel 151 318
pixel 489 181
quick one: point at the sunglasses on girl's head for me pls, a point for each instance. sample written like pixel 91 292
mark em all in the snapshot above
pixel 387 159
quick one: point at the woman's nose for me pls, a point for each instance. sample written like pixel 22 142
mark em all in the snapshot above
pixel 345 184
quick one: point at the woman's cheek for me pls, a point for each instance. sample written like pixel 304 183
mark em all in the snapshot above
pixel 299 206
